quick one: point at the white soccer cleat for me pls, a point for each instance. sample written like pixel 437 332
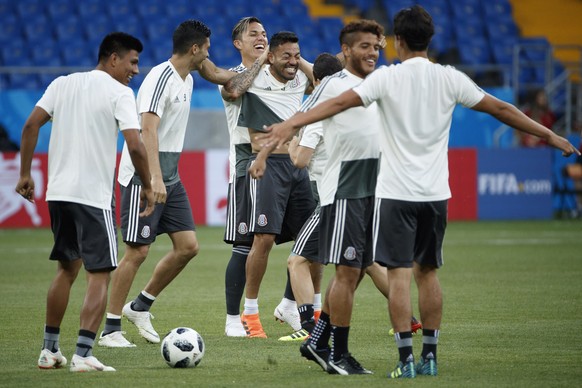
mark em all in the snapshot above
pixel 50 360
pixel 141 320
pixel 290 316
pixel 115 340
pixel 234 329
pixel 88 364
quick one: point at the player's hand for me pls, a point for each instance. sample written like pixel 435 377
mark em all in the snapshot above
pixel 257 169
pixel 263 58
pixel 25 187
pixel 159 189
pixel 564 145
pixel 276 135
pixel 147 200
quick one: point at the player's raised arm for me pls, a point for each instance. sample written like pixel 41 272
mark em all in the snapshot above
pixel 279 134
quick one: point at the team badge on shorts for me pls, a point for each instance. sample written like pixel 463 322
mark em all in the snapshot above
pixel 145 232
pixel 350 253
pixel 242 228
pixel 262 221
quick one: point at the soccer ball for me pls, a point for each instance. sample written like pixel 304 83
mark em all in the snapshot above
pixel 183 348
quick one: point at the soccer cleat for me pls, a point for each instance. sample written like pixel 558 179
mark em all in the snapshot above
pixel 50 360
pixel 234 329
pixel 88 364
pixel 290 316
pixel 403 371
pixel 415 326
pixel 115 340
pixel 320 356
pixel 252 325
pixel 347 365
pixel 141 320
pixel 299 335
pixel 427 366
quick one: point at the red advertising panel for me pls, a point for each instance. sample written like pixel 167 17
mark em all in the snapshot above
pixel 463 183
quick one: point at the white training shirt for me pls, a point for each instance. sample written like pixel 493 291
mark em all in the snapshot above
pixel 312 137
pixel 351 141
pixel 165 93
pixel 416 100
pixel 239 136
pixel 87 110
pixel 280 98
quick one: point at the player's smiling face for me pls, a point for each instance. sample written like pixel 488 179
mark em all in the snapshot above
pixel 126 67
pixel 254 40
pixel 284 61
pixel 362 55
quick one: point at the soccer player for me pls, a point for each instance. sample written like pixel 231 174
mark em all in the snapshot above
pixel 163 105
pixel 305 270
pixel 347 198
pixel 87 110
pixel 250 39
pixel 415 102
pixel 280 202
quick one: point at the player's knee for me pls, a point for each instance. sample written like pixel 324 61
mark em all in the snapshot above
pixel 188 251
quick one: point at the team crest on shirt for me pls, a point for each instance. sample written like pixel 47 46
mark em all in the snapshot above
pixel 146 231
pixel 262 221
pixel 350 253
pixel 242 228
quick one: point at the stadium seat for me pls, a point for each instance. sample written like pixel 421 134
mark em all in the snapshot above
pixel 37 28
pixel 393 6
pixel 474 51
pixel 469 28
pixel 68 27
pixel 10 29
pixel 77 53
pixel 501 28
pixel 59 9
pixel 493 9
pixel 133 25
pixel 97 27
pixel 89 9
pixel 16 53
pixel 46 54
pixel 27 8
pixel 466 9
pixel 23 81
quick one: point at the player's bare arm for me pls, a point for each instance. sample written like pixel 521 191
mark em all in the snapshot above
pixel 241 82
pixel 139 158
pixel 150 123
pixel 510 115
pixel 38 117
pixel 281 133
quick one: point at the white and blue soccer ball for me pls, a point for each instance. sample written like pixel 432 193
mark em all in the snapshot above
pixel 183 348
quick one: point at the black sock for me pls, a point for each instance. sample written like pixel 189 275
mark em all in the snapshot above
pixel 142 303
pixel 288 290
pixel 51 338
pixel 321 332
pixel 235 279
pixel 339 340
pixel 404 343
pixel 306 316
pixel 430 340
pixel 85 343
pixel 111 325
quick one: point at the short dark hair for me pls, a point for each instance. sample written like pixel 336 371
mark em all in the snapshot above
pixel 347 34
pixel 120 43
pixel 189 33
pixel 242 25
pixel 415 26
pixel 281 38
pixel 326 64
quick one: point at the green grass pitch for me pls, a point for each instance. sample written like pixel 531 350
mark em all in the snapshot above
pixel 512 316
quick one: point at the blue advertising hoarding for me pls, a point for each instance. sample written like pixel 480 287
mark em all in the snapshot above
pixel 514 184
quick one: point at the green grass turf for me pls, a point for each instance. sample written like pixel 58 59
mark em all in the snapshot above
pixel 512 316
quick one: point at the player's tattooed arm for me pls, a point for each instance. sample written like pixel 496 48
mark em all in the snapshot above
pixel 241 82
